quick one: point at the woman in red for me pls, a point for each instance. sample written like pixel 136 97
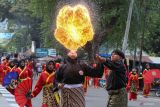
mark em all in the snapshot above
pixel 45 81
pixel 95 80
pixel 11 68
pixel 133 85
pixel 147 81
pixel 23 71
pixel 4 69
pixel 1 73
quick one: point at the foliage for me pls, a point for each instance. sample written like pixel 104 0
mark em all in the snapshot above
pixel 35 20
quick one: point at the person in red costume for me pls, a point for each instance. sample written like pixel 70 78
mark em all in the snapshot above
pixel 29 64
pixel 1 73
pixel 11 66
pixel 43 67
pixel 147 82
pixel 4 69
pixel 23 71
pixel 95 80
pixel 45 82
pixel 86 84
pixel 57 66
pixel 133 85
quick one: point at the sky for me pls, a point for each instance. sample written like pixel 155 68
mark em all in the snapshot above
pixel 3 26
pixel 5 35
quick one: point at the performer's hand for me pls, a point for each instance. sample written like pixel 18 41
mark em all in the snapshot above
pixel 60 85
pixel 100 59
pixel 29 95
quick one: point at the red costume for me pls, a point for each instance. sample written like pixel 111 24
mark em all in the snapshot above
pixel 24 73
pixel 147 83
pixel 30 65
pixel 43 67
pixel 86 84
pixel 45 81
pixel 9 69
pixel 4 69
pixel 95 80
pixel 1 74
pixel 57 66
pixel 133 86
pixel 105 75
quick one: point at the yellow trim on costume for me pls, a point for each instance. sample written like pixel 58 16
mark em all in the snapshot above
pixel 48 85
pixel 11 69
pixel 46 72
pixel 56 94
pixel 21 70
pixel 49 76
pixel 25 79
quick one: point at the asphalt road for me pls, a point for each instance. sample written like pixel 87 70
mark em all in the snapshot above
pixel 98 98
pixel 94 98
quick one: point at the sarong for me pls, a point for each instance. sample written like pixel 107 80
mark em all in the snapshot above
pixel 49 99
pixel 118 98
pixel 72 97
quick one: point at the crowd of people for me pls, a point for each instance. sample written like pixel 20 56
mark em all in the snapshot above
pixel 65 85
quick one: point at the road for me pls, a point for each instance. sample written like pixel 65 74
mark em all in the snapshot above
pixel 98 98
pixel 94 98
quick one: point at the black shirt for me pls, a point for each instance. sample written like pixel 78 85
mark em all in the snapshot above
pixel 117 75
pixel 73 72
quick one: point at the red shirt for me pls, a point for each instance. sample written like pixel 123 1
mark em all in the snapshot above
pixel 44 80
pixel 23 74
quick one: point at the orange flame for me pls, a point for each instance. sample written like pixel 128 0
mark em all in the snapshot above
pixel 74 27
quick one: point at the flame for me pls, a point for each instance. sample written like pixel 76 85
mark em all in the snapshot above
pixel 74 28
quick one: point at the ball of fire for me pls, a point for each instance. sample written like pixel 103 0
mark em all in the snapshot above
pixel 73 27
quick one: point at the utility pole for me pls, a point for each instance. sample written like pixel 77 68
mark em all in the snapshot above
pixel 125 39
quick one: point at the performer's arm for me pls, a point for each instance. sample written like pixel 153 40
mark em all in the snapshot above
pixel 113 65
pixel 59 74
pixel 93 72
pixel 39 85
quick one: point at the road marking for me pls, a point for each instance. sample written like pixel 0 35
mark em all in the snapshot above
pixel 10 99
pixel 14 105
pixel 4 92
pixel 148 104
pixel 8 95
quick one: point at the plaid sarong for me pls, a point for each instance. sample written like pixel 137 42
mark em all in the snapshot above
pixel 72 97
